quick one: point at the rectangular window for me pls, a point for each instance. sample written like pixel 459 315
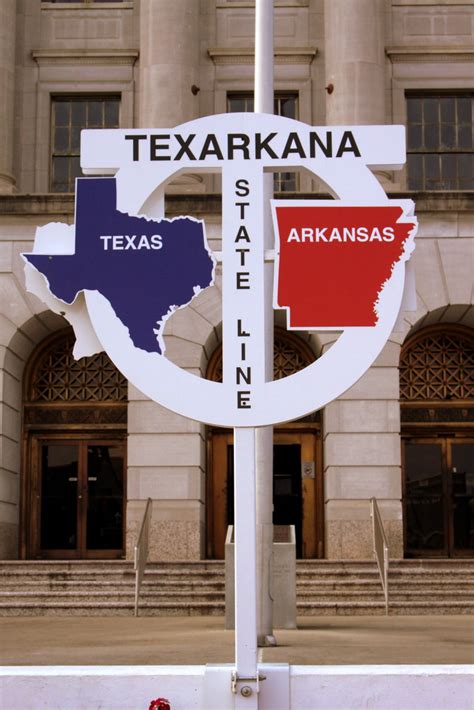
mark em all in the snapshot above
pixel 70 114
pixel 440 141
pixel 284 105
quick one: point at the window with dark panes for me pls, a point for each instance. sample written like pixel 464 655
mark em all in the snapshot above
pixel 440 143
pixel 284 105
pixel 70 114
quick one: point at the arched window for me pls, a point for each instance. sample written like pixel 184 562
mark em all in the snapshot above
pixel 73 483
pixel 437 414
pixel 290 354
pixel 55 376
pixel 438 366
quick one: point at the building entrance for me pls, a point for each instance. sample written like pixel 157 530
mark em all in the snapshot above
pixel 297 489
pixel 78 503
pixel 437 417
pixel 74 463
pixel 297 468
pixel 439 496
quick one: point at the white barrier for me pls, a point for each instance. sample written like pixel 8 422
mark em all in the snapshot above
pixel 311 687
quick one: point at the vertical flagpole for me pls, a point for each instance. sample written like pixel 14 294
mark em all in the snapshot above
pixel 264 56
pixel 264 435
pixel 255 445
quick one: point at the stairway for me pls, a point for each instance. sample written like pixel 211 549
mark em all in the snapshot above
pixel 324 587
pixel 107 588
pixel 436 586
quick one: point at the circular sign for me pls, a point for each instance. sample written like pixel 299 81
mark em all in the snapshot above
pixel 243 147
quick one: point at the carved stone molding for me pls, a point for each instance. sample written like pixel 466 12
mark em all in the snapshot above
pixel 436 54
pixel 85 56
pixel 283 55
pixel 39 417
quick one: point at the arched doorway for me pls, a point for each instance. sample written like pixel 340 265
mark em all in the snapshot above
pixel 74 458
pixel 437 414
pixel 297 464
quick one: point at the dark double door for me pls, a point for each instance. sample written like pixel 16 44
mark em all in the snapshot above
pixel 439 496
pixel 77 498
pixel 297 490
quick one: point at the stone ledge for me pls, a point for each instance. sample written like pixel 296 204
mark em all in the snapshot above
pixel 246 55
pixel 437 53
pixel 211 203
pixel 58 5
pixel 84 56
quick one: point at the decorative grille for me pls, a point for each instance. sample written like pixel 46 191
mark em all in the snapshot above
pixel 60 378
pixel 287 359
pixel 439 366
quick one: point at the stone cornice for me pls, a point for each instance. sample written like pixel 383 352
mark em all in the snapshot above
pixel 231 4
pixel 246 55
pixel 437 53
pixel 85 56
pixel 120 5
pixel 201 204
pixel 36 204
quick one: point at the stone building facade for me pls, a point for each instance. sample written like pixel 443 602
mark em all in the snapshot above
pixel 403 434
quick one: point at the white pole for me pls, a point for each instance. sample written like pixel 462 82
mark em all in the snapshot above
pixel 245 566
pixel 264 56
pixel 264 436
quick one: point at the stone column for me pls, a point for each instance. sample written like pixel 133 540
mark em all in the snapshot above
pixel 169 62
pixel 361 429
pixel 7 92
pixel 362 458
pixel 355 61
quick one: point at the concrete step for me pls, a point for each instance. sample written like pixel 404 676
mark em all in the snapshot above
pixel 107 597
pixel 173 608
pixel 378 607
pixel 315 596
pixel 109 587
pixel 410 588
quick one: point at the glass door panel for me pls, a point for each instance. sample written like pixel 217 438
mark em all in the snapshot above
pixel 424 497
pixel 59 496
pixel 462 495
pixel 78 499
pixel 287 495
pixel 105 468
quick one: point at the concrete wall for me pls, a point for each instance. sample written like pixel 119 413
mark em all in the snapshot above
pixel 187 687
pixel 23 324
pixel 167 452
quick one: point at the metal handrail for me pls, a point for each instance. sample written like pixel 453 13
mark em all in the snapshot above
pixel 141 551
pixel 380 547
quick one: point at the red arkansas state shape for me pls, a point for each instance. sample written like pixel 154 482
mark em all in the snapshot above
pixel 334 261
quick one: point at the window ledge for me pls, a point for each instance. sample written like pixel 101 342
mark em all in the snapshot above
pixel 246 55
pixel 438 53
pixel 84 56
pixel 79 5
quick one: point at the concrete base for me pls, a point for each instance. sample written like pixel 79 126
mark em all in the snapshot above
pixel 8 541
pixel 283 580
pixel 324 687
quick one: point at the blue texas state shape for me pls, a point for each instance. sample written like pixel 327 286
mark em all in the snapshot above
pixel 145 268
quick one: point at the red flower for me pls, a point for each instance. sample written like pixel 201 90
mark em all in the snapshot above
pixel 160 704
